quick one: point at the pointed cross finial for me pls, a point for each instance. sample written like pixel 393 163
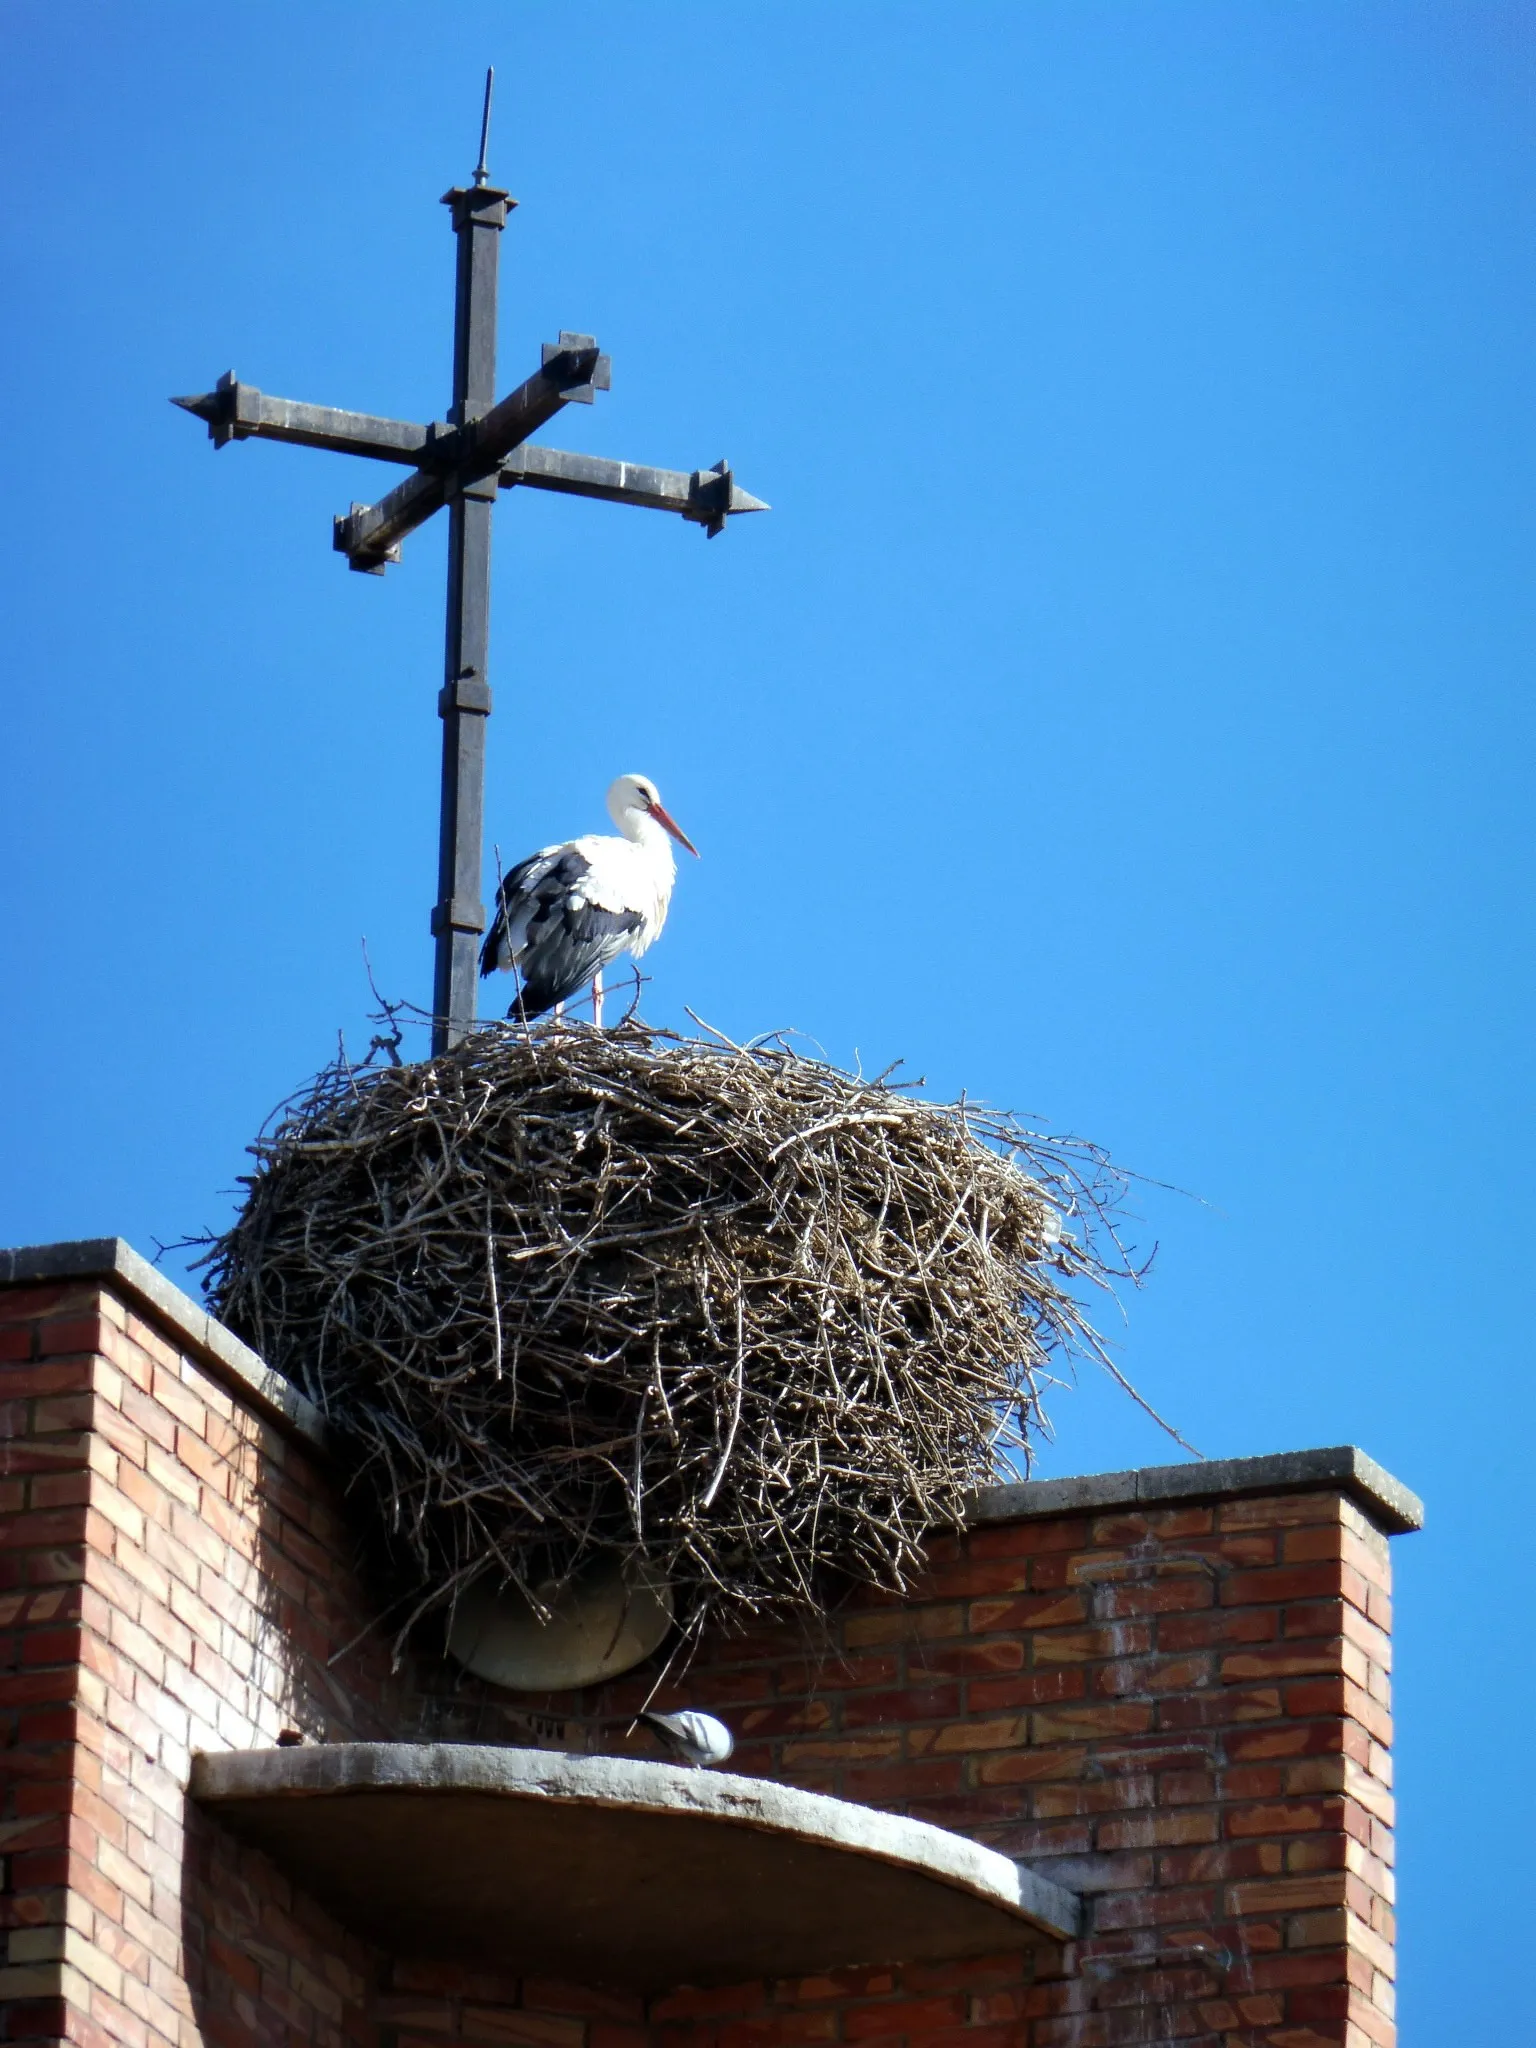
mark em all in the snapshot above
pixel 481 170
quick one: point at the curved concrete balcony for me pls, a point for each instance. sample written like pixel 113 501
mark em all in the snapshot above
pixel 617 1871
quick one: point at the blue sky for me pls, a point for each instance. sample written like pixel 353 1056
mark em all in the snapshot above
pixel 1124 713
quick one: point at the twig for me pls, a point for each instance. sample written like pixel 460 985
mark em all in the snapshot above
pixel 739 1377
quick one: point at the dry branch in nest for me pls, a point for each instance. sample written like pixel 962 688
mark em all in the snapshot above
pixel 725 1311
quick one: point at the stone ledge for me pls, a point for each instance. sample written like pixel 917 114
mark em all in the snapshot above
pixel 646 1874
pixel 112 1259
pixel 1370 1486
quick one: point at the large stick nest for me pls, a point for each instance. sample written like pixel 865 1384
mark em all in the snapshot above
pixel 732 1313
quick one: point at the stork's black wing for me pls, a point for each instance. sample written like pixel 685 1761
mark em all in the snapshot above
pixel 546 928
pixel 524 890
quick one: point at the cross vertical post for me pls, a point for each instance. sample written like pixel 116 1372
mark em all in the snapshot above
pixel 460 464
pixel 458 918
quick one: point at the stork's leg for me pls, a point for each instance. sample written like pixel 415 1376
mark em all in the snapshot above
pixel 597 999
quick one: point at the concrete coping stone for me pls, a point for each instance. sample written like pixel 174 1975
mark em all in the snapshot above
pixel 236 1365
pixel 1386 1500
pixel 656 1869
pixel 1390 1505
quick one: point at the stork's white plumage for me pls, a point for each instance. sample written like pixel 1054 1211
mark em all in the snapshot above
pixel 567 911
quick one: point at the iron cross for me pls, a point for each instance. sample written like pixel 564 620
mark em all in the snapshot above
pixel 483 446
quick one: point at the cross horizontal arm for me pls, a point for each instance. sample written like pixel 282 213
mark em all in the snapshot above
pixel 572 370
pixel 239 412
pixel 706 496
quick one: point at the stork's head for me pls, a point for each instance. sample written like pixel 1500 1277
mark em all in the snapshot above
pixel 633 797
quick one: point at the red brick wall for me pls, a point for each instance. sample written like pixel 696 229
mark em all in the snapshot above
pixel 172 1573
pixel 1182 1713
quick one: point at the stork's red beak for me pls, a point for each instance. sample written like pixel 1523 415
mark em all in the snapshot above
pixel 662 818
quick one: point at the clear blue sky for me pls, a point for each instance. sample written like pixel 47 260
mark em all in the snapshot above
pixel 1124 714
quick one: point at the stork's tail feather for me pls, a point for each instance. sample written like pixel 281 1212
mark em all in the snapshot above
pixel 534 998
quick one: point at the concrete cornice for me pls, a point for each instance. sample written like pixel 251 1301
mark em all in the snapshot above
pixel 602 1865
pixel 1390 1505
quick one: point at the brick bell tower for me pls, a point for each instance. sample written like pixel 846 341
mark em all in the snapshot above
pixel 1116 1772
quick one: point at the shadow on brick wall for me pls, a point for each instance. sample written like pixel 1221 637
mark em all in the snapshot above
pixel 265 1965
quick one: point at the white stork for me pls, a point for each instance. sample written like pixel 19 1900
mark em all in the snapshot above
pixel 566 911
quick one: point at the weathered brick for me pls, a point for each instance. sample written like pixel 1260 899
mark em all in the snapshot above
pixel 43 1298
pixel 1096 1795
pixel 147 1416
pixel 179 1400
pixel 1155 1675
pixel 1125 1639
pixel 1281 1817
pixel 85 1334
pixel 59 1489
pixel 965 1659
pixel 1221 1861
pixel 843 1749
pixel 1216 1709
pixel 1072 1724
pixel 907 1703
pixel 214 1472
pixel 1028 1689
pixel 47 1528
pixel 893 1625
pixel 1288 1894
pixel 1217 1628
pixel 1028 1538
pixel 20 1382
pixel 1030 1766
pixel 1279 1583
pixel 1280 1660
pixel 832 1674
pixel 1158 1830
pixel 62 1412
pixel 1027 1611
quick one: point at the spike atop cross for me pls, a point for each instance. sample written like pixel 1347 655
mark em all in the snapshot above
pixel 483 446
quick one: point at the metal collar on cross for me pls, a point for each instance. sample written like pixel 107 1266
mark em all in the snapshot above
pixel 461 462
